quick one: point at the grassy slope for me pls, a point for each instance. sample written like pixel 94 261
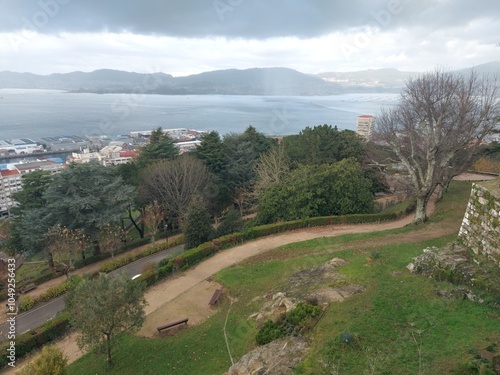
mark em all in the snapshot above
pixel 397 315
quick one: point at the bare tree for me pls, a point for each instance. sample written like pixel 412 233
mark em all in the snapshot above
pixel 63 245
pixel 174 183
pixel 271 168
pixel 153 214
pixel 439 115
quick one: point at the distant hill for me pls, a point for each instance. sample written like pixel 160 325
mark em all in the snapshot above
pixel 255 81
pixel 368 80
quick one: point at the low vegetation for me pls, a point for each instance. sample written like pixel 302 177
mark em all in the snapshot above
pixel 399 324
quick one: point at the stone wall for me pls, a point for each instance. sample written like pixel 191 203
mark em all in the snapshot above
pixel 480 228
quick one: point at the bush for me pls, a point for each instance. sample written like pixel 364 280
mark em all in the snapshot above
pixel 269 331
pixel 52 361
pixel 300 314
pixel 26 303
pixel 33 339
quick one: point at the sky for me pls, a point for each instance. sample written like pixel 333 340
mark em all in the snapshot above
pixel 183 37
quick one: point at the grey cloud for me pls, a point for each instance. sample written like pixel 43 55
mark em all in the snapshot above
pixel 257 19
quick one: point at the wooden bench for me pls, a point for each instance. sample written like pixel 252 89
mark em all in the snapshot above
pixel 161 328
pixel 215 297
pixel 28 287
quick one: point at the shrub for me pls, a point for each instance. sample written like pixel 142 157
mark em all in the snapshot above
pixel 268 332
pixel 300 314
pixel 52 361
pixel 26 303
pixel 33 339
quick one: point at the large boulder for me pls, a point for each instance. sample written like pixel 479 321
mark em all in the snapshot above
pixel 278 358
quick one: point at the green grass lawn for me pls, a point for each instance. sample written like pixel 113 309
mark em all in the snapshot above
pixel 399 325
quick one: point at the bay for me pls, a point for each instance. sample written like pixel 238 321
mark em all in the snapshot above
pixel 39 113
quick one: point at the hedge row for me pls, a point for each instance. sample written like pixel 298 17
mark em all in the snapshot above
pixel 193 256
pixel 28 302
pixel 36 338
pixel 153 249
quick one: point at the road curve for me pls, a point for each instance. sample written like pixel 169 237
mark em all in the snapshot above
pixel 36 317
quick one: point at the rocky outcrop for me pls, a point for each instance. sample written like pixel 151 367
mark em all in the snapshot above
pixel 320 285
pixel 278 358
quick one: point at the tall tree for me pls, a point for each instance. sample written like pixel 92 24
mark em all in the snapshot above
pixel 271 168
pixel 197 224
pixel 104 307
pixel 160 147
pixel 174 183
pixel 86 196
pixel 25 233
pixel 211 151
pixel 244 151
pixel 439 115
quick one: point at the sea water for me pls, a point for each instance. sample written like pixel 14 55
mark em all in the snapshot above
pixel 39 113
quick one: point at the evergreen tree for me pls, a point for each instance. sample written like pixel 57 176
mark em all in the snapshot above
pixel 160 147
pixel 323 144
pixel 212 152
pixel 197 224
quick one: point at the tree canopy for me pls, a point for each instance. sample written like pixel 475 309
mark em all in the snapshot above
pixel 174 183
pixel 160 147
pixel 83 196
pixel 441 116
pixel 323 144
pixel 104 307
pixel 308 191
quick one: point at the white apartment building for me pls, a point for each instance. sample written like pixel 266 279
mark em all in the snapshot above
pixel 10 182
pixel 11 179
pixel 364 124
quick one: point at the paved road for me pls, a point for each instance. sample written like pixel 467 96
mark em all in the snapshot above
pixel 36 317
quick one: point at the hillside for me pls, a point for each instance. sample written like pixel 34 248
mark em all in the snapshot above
pixel 254 81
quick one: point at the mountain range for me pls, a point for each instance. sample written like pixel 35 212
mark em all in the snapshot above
pixel 254 81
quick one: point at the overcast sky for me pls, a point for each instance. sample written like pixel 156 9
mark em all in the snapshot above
pixel 184 37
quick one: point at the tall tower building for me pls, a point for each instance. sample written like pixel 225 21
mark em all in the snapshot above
pixel 364 125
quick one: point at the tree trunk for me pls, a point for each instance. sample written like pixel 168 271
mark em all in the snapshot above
pixel 51 262
pixel 108 343
pixel 97 248
pixel 141 231
pixel 420 210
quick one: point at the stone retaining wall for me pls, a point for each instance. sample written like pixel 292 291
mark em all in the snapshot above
pixel 480 228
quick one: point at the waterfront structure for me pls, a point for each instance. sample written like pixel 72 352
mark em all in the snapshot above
pixel 364 124
pixel 20 146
